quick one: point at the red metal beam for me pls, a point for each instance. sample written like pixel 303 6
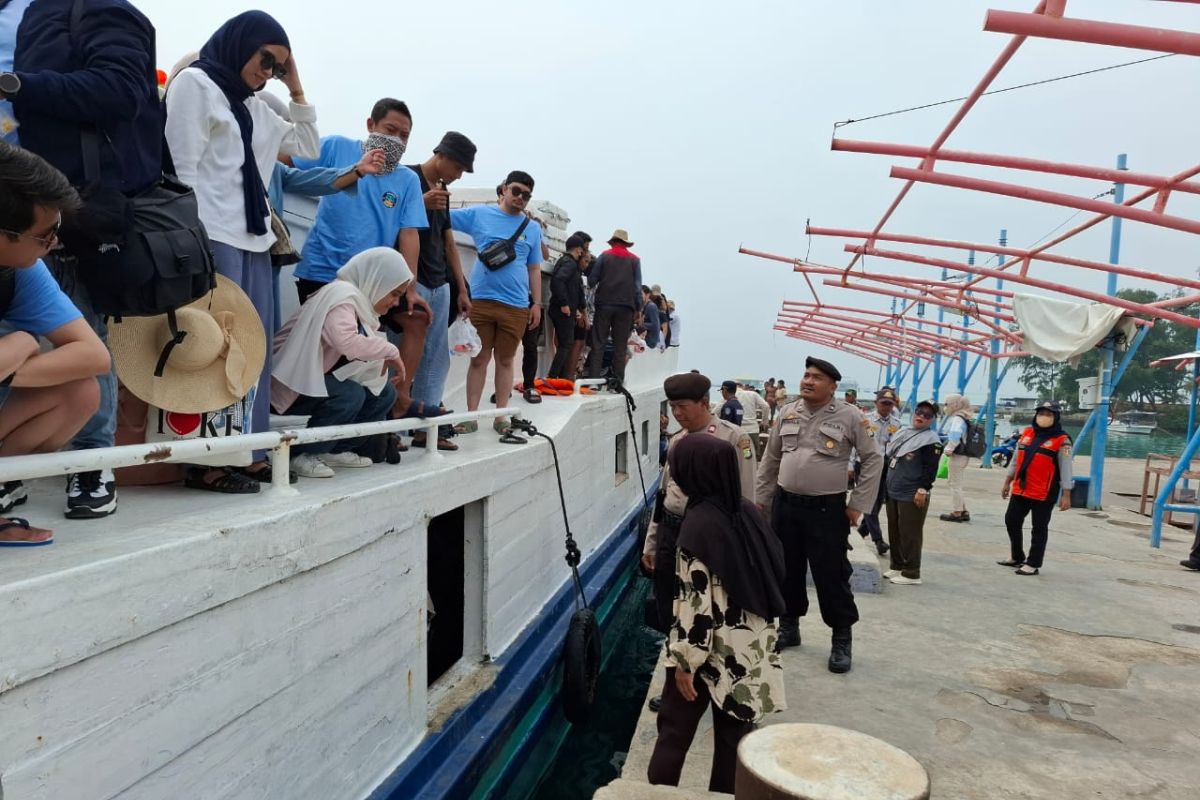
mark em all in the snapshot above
pixel 1137 37
pixel 1051 258
pixel 985 82
pixel 924 339
pixel 1045 196
pixel 1017 162
pixel 1096 297
pixel 790 303
pixel 851 351
pixel 959 307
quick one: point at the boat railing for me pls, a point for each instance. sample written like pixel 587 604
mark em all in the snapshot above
pixel 279 442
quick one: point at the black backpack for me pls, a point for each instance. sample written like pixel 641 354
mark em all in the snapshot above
pixel 974 440
pixel 138 256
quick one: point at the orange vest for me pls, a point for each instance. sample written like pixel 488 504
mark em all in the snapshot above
pixel 1043 468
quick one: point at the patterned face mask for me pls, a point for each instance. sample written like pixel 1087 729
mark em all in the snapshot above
pixel 393 149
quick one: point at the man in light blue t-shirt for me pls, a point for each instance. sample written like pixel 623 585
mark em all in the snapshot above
pixel 387 209
pixel 45 398
pixel 507 301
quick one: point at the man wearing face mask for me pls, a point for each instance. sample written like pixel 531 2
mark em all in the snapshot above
pixel 387 210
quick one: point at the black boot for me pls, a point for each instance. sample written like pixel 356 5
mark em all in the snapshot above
pixel 839 653
pixel 655 703
pixel 789 633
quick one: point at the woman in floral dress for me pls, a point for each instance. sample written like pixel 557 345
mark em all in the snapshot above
pixel 721 647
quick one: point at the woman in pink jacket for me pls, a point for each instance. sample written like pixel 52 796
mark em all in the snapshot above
pixel 332 360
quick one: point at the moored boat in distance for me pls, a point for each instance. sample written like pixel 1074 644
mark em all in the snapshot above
pixel 1143 422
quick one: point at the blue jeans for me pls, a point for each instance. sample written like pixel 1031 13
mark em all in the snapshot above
pixel 430 380
pixel 348 402
pixel 101 429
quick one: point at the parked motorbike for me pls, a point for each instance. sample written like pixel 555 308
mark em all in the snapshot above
pixel 1002 453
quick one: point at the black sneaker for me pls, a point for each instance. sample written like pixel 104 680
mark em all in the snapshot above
pixel 91 495
pixel 12 494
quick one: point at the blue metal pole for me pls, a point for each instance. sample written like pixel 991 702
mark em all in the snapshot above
pixel 993 375
pixel 963 377
pixel 1162 503
pixel 1100 441
pixel 937 357
pixel 1091 423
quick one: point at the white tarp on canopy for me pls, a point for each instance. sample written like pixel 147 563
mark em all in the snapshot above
pixel 1059 330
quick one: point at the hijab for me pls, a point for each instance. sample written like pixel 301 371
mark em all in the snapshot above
pixel 723 529
pixel 362 282
pixel 222 58
pixel 957 404
pixel 1040 436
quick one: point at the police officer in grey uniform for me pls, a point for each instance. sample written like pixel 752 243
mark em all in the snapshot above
pixel 802 482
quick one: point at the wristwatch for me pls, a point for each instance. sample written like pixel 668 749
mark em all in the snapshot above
pixel 10 84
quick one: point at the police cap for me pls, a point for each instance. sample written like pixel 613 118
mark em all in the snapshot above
pixel 823 366
pixel 886 393
pixel 687 386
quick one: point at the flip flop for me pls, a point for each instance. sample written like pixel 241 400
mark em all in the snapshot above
pixel 442 444
pixel 510 438
pixel 470 426
pixel 18 522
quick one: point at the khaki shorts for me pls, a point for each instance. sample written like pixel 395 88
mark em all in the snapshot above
pixel 501 327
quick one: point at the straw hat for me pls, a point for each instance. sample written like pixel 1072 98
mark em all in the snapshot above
pixel 213 360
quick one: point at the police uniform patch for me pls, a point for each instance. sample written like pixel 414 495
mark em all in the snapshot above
pixel 829 445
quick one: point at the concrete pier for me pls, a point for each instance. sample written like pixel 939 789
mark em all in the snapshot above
pixel 1079 683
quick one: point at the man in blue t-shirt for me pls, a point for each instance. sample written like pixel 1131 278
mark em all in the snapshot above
pixel 506 301
pixel 45 398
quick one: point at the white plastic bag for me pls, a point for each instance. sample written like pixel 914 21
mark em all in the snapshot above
pixel 464 339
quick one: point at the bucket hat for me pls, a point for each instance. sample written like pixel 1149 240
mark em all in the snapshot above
pixel 620 235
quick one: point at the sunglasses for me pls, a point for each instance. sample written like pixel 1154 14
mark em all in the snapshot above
pixel 46 240
pixel 925 414
pixel 270 64
pixel 520 193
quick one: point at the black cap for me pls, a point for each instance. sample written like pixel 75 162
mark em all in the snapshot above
pixel 729 386
pixel 459 148
pixel 687 386
pixel 824 366
pixel 932 406
pixel 1049 405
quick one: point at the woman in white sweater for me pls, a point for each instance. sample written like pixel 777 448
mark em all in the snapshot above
pixel 224 142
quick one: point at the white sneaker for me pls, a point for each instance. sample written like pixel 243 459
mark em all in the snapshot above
pixel 345 460
pixel 306 465
pixel 903 581
pixel 891 573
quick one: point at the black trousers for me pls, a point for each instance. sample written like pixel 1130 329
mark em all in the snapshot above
pixel 615 322
pixel 677 723
pixel 814 531
pixel 664 573
pixel 529 353
pixel 1014 519
pixel 1195 554
pixel 870 522
pixel 564 331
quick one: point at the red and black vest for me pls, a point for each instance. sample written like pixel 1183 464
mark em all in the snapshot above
pixel 1043 470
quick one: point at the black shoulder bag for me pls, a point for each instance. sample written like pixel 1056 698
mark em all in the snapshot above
pixel 502 252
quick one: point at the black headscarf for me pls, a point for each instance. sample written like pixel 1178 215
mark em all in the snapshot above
pixel 1040 436
pixel 723 529
pixel 222 58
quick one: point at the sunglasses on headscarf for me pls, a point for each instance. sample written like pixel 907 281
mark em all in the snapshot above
pixel 270 64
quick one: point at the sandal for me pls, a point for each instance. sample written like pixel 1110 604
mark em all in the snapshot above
pixel 34 537
pixel 442 443
pixel 512 438
pixel 470 426
pixel 265 475
pixel 228 481
pixel 1008 562
pixel 532 396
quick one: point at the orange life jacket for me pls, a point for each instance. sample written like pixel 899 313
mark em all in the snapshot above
pixel 1042 470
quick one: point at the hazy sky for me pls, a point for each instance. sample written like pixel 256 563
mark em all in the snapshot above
pixel 703 126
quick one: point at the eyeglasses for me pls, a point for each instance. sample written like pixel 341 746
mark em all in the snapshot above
pixel 46 240
pixel 270 64
pixel 520 193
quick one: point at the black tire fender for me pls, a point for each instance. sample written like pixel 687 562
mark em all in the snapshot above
pixel 581 666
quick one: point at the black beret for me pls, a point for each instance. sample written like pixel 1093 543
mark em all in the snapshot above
pixel 687 386
pixel 824 366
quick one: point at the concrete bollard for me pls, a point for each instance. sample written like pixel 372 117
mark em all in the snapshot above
pixel 823 762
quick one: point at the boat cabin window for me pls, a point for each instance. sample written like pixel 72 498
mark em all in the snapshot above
pixel 645 438
pixel 622 448
pixel 454 578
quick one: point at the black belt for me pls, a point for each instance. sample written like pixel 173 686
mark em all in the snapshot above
pixel 812 500
pixel 673 520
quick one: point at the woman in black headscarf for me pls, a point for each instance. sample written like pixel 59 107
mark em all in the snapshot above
pixel 224 141
pixel 729 573
pixel 1039 471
